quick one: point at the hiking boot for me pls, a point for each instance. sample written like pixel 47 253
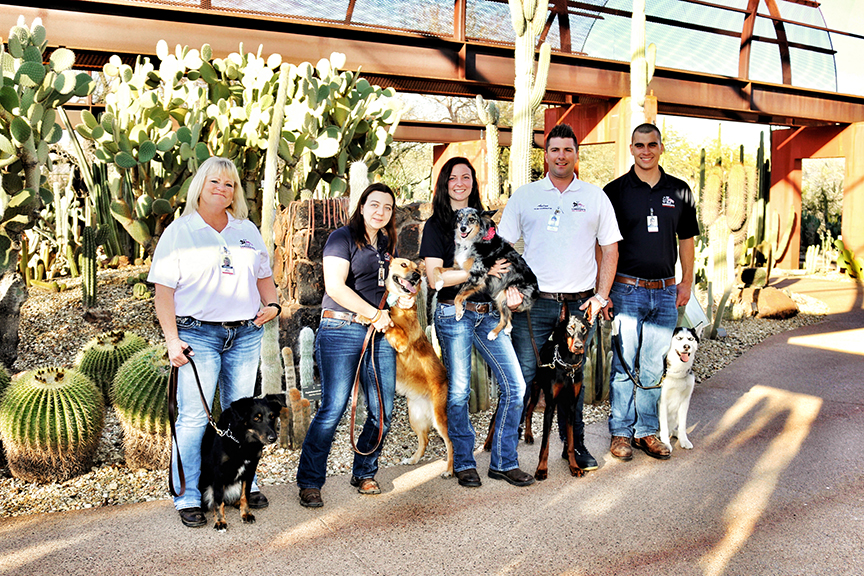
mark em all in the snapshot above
pixel 311 498
pixel 621 449
pixel 652 446
pixel 583 458
pixel 365 485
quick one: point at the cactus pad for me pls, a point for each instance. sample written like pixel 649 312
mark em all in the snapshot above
pixel 102 356
pixel 51 421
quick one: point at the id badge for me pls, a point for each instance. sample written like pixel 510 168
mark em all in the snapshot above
pixel 554 220
pixel 653 224
pixel 225 257
pixel 380 273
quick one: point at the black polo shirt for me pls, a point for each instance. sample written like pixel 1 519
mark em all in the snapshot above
pixel 363 271
pixel 439 242
pixel 644 254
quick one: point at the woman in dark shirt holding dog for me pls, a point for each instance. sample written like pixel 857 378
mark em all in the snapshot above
pixel 457 188
pixel 356 262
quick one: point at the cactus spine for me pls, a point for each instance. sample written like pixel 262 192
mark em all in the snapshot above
pixel 528 18
pixel 51 421
pixel 102 356
pixel 141 404
pixel 489 115
pixel 642 62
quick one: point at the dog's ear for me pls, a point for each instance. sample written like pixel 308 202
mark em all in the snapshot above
pixel 276 401
pixel 488 213
pixel 698 330
pixel 421 267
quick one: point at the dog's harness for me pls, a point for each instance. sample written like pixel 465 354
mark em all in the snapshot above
pixel 173 380
pixel 355 392
pixel 558 361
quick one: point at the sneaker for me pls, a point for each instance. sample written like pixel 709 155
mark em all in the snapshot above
pixel 652 446
pixel 621 449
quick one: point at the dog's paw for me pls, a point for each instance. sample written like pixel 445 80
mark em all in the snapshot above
pixel 667 444
pixel 541 474
pixel 248 518
pixel 439 284
pixel 409 461
pixel 447 474
pixel 529 438
pixel 492 335
pixel 220 526
pixel 685 443
pixel 577 472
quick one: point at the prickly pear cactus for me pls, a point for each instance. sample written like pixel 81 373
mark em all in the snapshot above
pixel 141 403
pixel 101 357
pixel 51 420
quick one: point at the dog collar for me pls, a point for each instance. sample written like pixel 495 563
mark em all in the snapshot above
pixel 490 234
pixel 392 299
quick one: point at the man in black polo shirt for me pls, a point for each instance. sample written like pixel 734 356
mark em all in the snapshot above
pixel 656 215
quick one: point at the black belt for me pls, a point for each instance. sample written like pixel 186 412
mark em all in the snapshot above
pixel 478 307
pixel 650 284
pixel 566 296
pixel 231 324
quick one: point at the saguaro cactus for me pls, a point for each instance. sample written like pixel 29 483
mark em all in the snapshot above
pixel 642 62
pixel 528 17
pixel 51 421
pixel 488 113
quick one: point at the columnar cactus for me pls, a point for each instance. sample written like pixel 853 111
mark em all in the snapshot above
pixel 306 343
pixel 488 113
pixel 101 357
pixel 51 420
pixel 358 180
pixel 642 62
pixel 528 18
pixel 286 415
pixel 141 403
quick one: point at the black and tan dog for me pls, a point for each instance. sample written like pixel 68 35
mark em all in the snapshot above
pixel 420 375
pixel 229 461
pixel 478 248
pixel 559 377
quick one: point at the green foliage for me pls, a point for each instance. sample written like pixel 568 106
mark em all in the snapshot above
pixel 141 403
pixel 4 380
pixel 50 422
pixel 141 291
pixel 30 92
pixel 102 356
pixel 847 262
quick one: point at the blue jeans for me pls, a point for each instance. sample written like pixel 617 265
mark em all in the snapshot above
pixel 544 318
pixel 227 357
pixel 645 321
pixel 456 339
pixel 337 351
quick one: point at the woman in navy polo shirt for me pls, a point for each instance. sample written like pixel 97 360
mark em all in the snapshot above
pixel 356 262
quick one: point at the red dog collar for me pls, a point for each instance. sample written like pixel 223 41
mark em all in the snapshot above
pixel 490 234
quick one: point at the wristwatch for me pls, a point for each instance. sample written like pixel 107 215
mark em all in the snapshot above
pixel 603 301
pixel 277 307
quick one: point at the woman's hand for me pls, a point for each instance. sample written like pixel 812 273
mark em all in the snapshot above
pixel 514 298
pixel 175 352
pixel 500 268
pixel 383 323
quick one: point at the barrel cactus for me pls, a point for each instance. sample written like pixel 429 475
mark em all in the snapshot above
pixel 4 380
pixel 51 420
pixel 102 356
pixel 141 403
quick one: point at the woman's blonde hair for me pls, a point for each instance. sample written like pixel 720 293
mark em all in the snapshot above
pixel 223 167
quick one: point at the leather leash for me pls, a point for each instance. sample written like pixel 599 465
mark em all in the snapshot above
pixel 355 392
pixel 173 380
pixel 616 341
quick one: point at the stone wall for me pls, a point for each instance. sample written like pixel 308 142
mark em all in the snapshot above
pixel 301 232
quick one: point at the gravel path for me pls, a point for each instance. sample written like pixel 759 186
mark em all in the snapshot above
pixel 53 329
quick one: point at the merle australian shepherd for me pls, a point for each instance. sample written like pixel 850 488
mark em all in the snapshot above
pixel 229 461
pixel 478 248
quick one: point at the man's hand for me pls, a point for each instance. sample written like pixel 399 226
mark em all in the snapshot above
pixel 514 297
pixel 684 291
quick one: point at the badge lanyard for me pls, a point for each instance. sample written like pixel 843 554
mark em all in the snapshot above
pixel 653 224
pixel 224 256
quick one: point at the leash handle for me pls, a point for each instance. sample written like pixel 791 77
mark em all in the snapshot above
pixel 355 392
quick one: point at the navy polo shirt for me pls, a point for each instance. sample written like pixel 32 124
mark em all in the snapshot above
pixel 644 254
pixel 363 271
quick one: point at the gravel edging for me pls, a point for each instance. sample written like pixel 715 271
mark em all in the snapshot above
pixel 53 329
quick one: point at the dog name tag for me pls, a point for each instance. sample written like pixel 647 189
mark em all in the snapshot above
pixel 653 224
pixel 225 256
pixel 554 220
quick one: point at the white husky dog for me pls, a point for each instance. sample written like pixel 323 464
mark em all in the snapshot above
pixel 678 383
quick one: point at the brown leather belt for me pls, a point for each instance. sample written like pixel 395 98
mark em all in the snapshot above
pixel 566 296
pixel 650 284
pixel 478 307
pixel 350 317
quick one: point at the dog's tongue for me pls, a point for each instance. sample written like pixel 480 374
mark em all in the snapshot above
pixel 408 286
pixel 685 356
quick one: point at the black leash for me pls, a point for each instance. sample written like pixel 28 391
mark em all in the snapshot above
pixel 616 341
pixel 561 318
pixel 173 380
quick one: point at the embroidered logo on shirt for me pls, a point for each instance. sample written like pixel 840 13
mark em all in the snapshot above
pixel 668 202
pixel 543 207
pixel 579 207
pixel 244 243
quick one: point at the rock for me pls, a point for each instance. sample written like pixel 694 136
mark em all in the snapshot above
pixel 774 304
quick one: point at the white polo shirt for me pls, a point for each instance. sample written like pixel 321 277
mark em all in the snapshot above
pixel 189 258
pixel 563 260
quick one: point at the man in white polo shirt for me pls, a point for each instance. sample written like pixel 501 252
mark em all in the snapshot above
pixel 568 226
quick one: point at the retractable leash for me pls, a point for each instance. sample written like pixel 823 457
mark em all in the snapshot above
pixel 173 380
pixel 616 341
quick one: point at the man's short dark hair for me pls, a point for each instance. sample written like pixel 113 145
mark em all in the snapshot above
pixel 561 131
pixel 646 128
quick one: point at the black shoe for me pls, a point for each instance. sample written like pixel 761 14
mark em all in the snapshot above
pixel 257 500
pixel 583 458
pixel 469 478
pixel 192 517
pixel 516 477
